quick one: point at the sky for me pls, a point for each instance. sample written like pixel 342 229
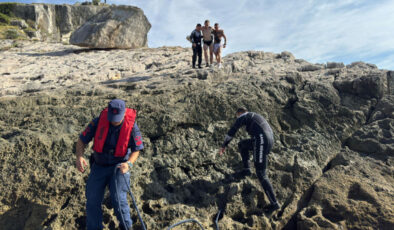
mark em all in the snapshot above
pixel 318 31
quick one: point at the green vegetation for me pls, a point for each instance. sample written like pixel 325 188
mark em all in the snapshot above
pixel 8 31
pixel 4 19
pixel 7 8
pixel 11 32
pixel 31 23
pixel 96 2
pixel 29 29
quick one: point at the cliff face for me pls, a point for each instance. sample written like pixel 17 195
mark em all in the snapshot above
pixel 331 166
pixel 54 23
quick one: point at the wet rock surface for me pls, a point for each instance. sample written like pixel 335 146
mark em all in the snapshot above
pixel 331 165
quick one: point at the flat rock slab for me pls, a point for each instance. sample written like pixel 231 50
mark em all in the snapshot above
pixel 114 27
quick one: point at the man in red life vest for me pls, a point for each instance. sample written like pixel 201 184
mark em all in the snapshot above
pixel 117 142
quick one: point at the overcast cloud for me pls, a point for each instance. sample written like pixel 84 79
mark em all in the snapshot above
pixel 314 30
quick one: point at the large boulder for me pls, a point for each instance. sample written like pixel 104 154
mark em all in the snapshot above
pixel 114 27
pixel 48 22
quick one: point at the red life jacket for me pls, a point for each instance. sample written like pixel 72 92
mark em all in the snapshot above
pixel 124 134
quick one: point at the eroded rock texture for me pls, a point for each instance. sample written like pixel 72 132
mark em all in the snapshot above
pixel 331 165
pixel 114 27
pixel 100 26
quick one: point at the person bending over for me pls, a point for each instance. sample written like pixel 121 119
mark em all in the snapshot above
pixel 261 142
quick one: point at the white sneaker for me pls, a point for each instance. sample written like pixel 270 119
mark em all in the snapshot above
pixel 220 65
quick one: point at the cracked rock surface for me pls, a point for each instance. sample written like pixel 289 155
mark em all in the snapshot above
pixel 331 165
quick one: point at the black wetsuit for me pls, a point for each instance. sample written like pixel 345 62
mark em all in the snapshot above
pixel 196 37
pixel 261 143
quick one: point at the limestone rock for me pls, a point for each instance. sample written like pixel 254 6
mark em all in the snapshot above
pixel 344 199
pixel 334 65
pixel 53 23
pixel 375 138
pixel 285 55
pixel 390 82
pixel 365 86
pixel 331 165
pixel 310 67
pixel 114 27
pixel 20 23
pixel 362 65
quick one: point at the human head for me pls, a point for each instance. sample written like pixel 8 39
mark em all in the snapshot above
pixel 206 23
pixel 116 111
pixel 216 26
pixel 240 111
pixel 198 26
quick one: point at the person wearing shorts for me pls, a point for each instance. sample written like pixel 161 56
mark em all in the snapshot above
pixel 218 34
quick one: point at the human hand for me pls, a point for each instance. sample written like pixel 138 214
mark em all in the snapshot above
pixel 221 151
pixel 224 45
pixel 81 164
pixel 194 44
pixel 124 167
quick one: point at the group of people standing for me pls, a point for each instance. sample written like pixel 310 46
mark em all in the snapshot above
pixel 211 39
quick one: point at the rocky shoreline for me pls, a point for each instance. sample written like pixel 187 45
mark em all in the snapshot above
pixel 331 166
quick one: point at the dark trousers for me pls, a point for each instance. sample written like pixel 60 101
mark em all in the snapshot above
pixel 100 177
pixel 261 147
pixel 197 51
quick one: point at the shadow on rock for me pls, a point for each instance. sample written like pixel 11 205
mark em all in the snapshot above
pixel 198 193
pixel 64 52
pixel 25 215
pixel 126 80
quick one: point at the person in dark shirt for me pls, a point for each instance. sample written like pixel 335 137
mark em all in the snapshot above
pixel 195 38
pixel 117 143
pixel 261 143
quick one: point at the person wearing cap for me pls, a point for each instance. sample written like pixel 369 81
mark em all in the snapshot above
pixel 116 146
pixel 261 143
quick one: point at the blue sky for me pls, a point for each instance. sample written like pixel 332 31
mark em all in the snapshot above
pixel 315 30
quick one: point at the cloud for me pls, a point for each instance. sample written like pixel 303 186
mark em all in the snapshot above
pixel 317 31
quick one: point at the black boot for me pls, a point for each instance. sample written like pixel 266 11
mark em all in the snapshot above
pixel 242 174
pixel 271 208
pixel 246 172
